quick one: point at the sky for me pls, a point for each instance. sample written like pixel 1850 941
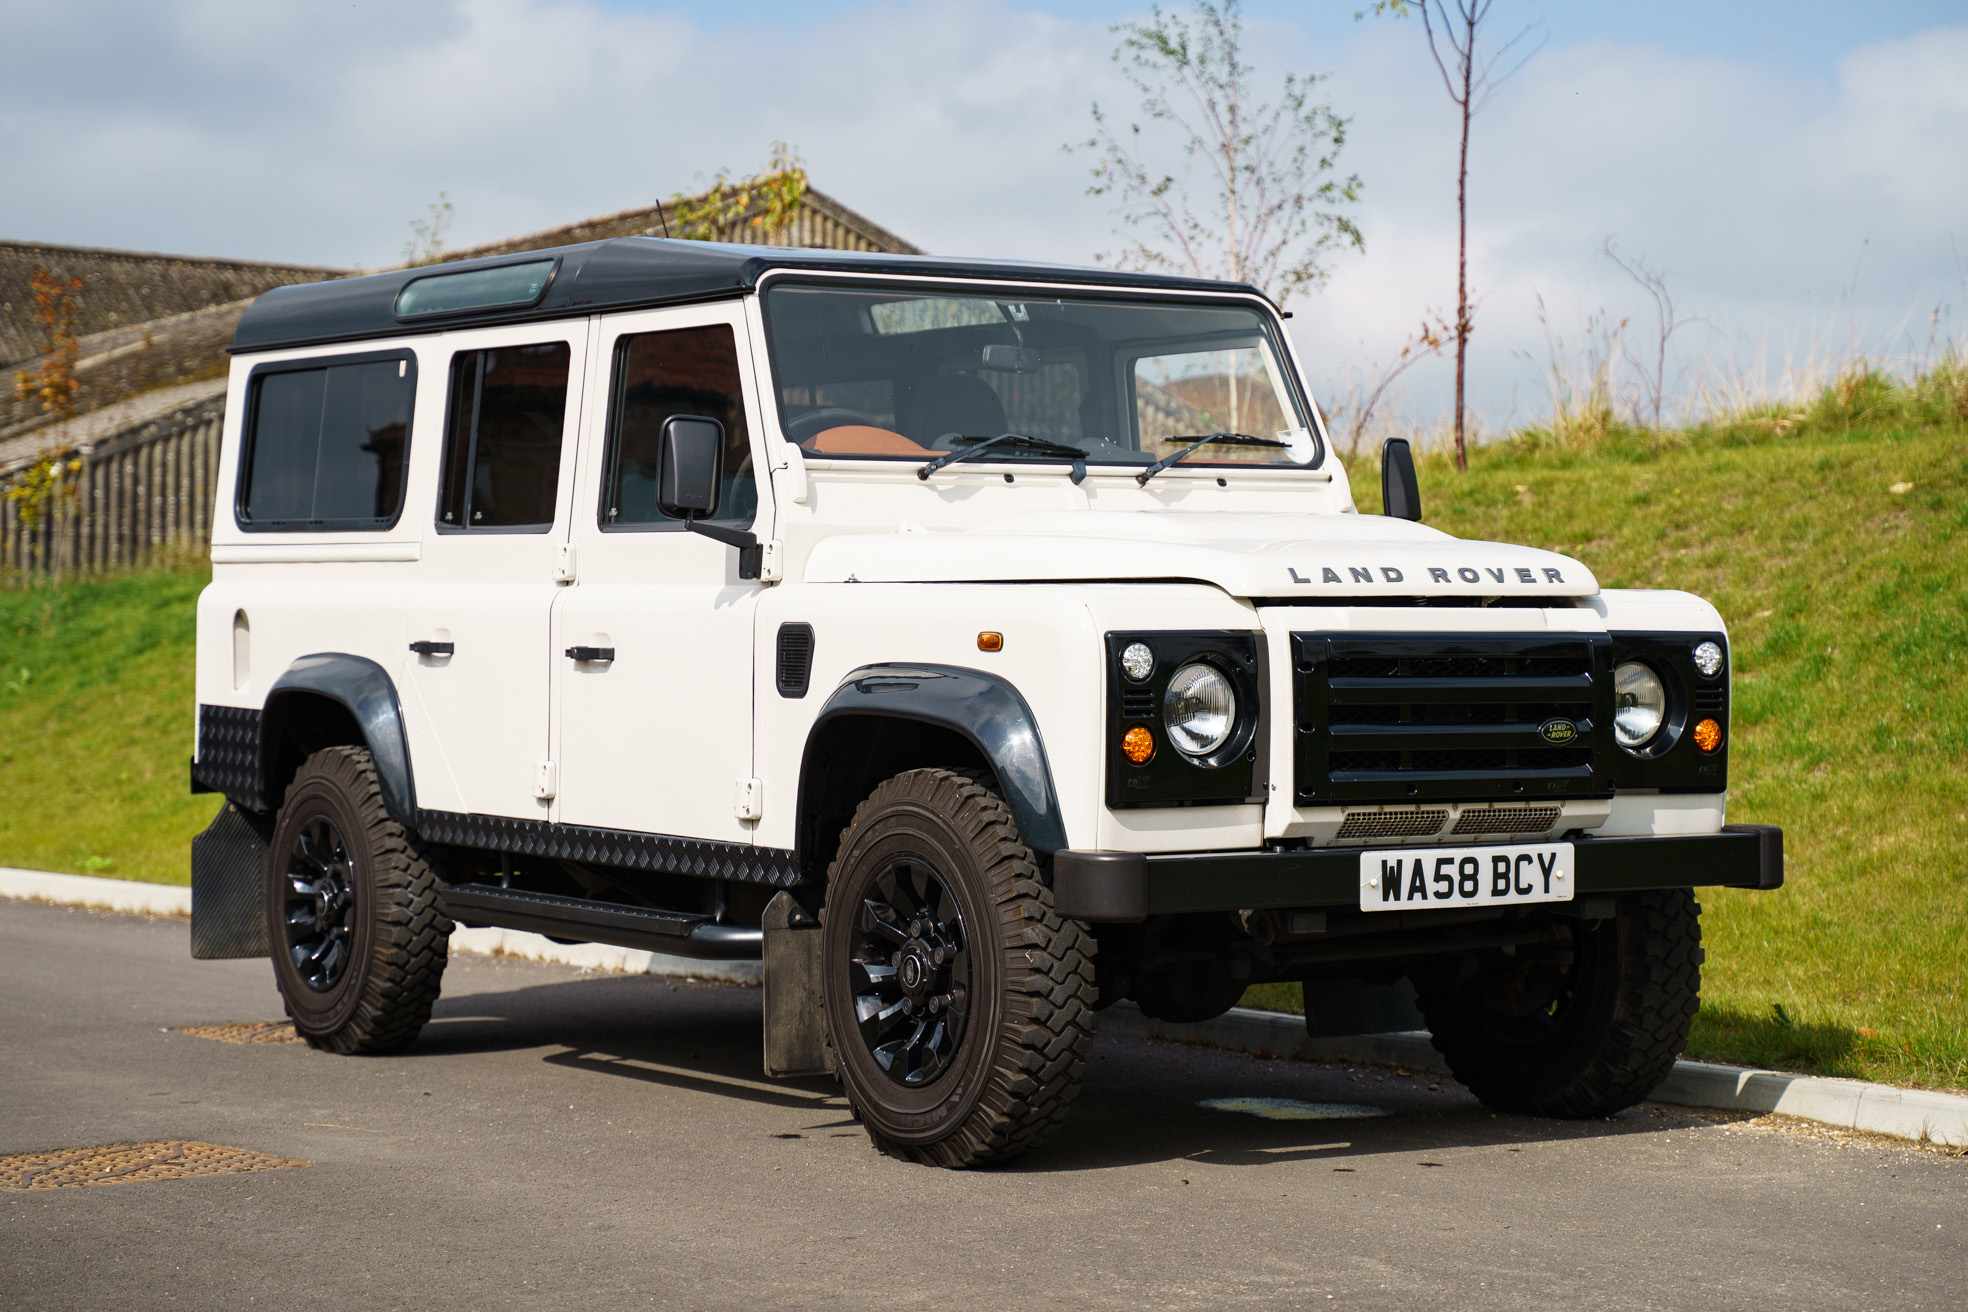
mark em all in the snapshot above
pixel 1794 170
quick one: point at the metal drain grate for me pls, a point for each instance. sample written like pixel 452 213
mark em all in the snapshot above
pixel 130 1163
pixel 1390 824
pixel 1507 820
pixel 266 1031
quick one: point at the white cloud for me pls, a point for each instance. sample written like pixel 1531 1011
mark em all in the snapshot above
pixel 299 132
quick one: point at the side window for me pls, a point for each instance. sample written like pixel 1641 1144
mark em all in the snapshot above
pixel 325 444
pixel 502 437
pixel 686 371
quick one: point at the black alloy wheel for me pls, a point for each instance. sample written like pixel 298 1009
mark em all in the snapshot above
pixel 959 1004
pixel 357 936
pixel 320 906
pixel 911 969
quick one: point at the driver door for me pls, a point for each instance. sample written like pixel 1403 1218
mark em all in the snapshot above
pixel 655 726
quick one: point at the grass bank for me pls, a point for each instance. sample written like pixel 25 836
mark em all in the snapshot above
pixel 96 728
pixel 1834 540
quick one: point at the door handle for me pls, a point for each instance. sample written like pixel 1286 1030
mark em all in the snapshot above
pixel 425 647
pixel 599 655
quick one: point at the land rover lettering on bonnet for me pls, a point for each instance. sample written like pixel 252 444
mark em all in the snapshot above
pixel 971 645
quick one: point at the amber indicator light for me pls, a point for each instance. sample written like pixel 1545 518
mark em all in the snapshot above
pixel 990 642
pixel 1138 745
pixel 1708 735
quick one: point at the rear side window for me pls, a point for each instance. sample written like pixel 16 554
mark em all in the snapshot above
pixel 503 436
pixel 325 444
pixel 685 371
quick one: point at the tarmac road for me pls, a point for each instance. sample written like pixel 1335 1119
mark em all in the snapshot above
pixel 559 1140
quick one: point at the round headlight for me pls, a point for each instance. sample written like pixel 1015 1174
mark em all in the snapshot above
pixel 1639 704
pixel 1708 659
pixel 1199 710
pixel 1138 661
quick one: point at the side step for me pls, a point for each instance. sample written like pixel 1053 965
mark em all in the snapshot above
pixel 582 920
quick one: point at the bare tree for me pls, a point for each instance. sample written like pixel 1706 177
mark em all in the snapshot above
pixel 1654 283
pixel 1362 400
pixel 1453 28
pixel 1273 216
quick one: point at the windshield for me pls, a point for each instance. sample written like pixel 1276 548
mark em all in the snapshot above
pixel 875 373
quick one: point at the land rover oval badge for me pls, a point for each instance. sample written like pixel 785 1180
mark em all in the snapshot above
pixel 1558 732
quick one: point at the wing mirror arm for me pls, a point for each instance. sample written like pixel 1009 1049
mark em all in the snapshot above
pixel 751 555
pixel 1400 493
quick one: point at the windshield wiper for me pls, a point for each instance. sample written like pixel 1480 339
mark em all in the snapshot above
pixel 1022 441
pixel 1196 443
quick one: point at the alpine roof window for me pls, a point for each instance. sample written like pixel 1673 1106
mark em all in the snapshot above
pixel 325 444
pixel 659 375
pixel 503 438
pixel 510 286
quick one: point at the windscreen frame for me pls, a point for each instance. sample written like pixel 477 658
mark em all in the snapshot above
pixel 1269 321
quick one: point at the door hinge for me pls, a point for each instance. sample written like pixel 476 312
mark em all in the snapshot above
pixel 771 558
pixel 546 780
pixel 564 563
pixel 751 799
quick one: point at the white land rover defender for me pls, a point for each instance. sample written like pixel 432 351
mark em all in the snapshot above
pixel 977 644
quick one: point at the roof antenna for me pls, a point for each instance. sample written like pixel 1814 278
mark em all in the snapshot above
pixel 665 221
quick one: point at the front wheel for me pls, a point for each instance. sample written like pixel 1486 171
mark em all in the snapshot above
pixel 1583 1030
pixel 358 938
pixel 959 1003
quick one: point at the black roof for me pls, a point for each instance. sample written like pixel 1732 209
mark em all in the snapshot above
pixel 619 273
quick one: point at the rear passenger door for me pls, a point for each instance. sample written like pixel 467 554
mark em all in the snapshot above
pixel 658 737
pixel 478 683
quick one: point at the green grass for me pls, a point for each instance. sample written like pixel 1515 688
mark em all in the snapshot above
pixel 1847 607
pixel 96 728
pixel 1847 603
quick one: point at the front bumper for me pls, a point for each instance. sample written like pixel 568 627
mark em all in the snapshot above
pixel 1128 886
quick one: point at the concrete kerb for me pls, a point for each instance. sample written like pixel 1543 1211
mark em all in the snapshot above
pixel 172 900
pixel 1848 1104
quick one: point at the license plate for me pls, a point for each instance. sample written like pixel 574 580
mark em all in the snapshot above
pixel 1438 877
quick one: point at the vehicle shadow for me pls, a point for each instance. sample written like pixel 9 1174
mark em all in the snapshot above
pixel 1142 1102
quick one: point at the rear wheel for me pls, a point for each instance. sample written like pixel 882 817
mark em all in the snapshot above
pixel 959 1003
pixel 1583 1031
pixel 358 939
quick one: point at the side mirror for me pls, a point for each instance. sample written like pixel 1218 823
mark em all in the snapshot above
pixel 689 466
pixel 689 477
pixel 1400 494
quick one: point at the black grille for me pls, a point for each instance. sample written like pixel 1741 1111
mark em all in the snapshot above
pixel 1137 703
pixel 795 659
pixel 1397 717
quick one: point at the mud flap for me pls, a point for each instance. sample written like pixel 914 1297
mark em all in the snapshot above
pixel 228 874
pixel 795 1025
pixel 1335 1007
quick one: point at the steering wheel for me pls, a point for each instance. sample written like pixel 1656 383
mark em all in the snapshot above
pixel 809 426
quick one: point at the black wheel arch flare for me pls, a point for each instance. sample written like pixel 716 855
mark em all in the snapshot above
pixel 323 699
pixel 961 707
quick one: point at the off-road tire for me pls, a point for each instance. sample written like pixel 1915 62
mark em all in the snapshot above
pixel 398 934
pixel 1612 1035
pixel 1023 1050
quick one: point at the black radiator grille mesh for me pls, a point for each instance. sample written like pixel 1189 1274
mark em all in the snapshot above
pixel 1403 717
